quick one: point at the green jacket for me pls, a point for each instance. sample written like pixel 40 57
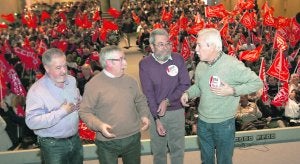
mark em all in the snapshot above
pixel 213 108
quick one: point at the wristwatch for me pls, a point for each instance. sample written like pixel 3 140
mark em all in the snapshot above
pixel 156 117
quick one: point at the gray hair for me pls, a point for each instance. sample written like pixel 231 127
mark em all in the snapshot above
pixel 107 53
pixel 159 31
pixel 211 36
pixel 50 53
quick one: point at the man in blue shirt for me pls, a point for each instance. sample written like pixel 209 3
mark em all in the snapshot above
pixel 52 111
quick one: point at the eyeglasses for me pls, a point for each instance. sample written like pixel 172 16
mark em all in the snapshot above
pixel 121 59
pixel 161 45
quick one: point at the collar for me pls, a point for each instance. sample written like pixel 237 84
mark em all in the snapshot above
pixel 52 82
pixel 161 62
pixel 215 60
pixel 108 74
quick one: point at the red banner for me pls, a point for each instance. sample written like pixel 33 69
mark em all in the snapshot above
pixel 251 55
pixel 262 76
pixel 279 68
pixel 28 57
pixel 282 96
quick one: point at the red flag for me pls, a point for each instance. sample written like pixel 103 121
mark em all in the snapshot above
pixel 78 20
pixel 265 7
pixel 96 16
pixel 283 22
pixel 10 75
pixel 174 30
pixel 269 19
pixel 262 76
pixel 9 17
pixel 224 30
pixel 279 68
pixel 85 133
pixel 279 42
pixel 63 45
pixel 42 47
pixel 6 48
pixel 3 88
pixel 3 25
pixel 62 27
pixel 295 32
pixel 86 23
pixel 185 50
pixel 103 34
pixel 251 55
pixel 216 11
pixel 183 22
pixel 248 20
pixel 195 28
pixel 28 57
pixel 282 96
pixel 294 54
pixel 135 18
pixel 114 12
pixel 157 25
pixel 45 15
pixel 231 50
pixel 95 35
pixel 174 41
pixel 109 25
pixel 62 16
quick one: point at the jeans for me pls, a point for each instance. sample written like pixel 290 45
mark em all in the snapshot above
pixel 61 151
pixel 216 138
pixel 128 148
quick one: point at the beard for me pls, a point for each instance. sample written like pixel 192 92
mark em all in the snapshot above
pixel 162 58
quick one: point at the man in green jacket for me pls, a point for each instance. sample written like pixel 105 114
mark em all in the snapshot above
pixel 219 81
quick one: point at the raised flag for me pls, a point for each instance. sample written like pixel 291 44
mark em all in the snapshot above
pixel 8 17
pixel 3 25
pixel 282 96
pixel 251 55
pixel 294 54
pixel 185 50
pixel 42 47
pixel 28 57
pixel 44 16
pixel 279 68
pixel 248 20
pixel 224 31
pixel 114 12
pixel 96 16
pixel 269 20
pixel 218 11
pixel 279 42
pixel 10 75
pixel 135 17
pixel 107 24
pixel 262 76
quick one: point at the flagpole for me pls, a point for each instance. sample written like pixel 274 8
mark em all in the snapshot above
pixel 296 66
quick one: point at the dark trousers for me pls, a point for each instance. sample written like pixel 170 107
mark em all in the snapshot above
pixel 61 151
pixel 128 148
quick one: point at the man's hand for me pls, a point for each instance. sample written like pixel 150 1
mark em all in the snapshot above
pixel 223 90
pixel 69 107
pixel 162 108
pixel 160 128
pixel 184 99
pixel 105 129
pixel 145 123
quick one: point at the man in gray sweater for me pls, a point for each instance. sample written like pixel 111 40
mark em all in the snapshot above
pixel 116 109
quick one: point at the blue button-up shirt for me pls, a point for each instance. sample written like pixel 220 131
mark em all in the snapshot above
pixel 43 113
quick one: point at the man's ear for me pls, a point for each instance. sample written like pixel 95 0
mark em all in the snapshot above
pixel 152 47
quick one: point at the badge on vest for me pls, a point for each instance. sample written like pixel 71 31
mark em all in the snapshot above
pixel 172 70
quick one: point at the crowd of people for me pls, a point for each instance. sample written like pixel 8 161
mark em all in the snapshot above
pixel 77 30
